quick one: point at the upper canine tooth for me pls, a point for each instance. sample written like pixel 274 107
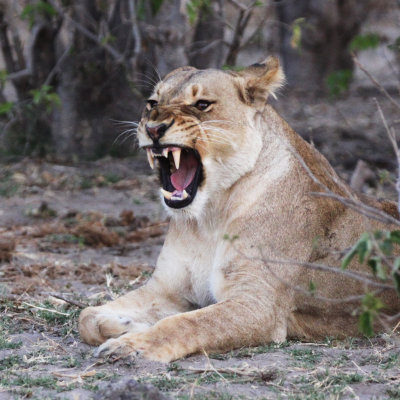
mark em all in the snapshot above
pixel 166 194
pixel 165 152
pixel 150 158
pixel 177 157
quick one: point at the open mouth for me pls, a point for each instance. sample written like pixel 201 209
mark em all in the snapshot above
pixel 181 173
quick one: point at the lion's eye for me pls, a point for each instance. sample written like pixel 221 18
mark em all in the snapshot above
pixel 202 105
pixel 151 104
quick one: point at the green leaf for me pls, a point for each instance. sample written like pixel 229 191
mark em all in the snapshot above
pixel 312 287
pixel 376 265
pixel 3 77
pixel 371 303
pixel 155 6
pixel 396 274
pixel 387 247
pixel 339 81
pixel 364 42
pixel 366 323
pixel 364 247
pixel 295 41
pixel 349 256
pixel 6 107
pixel 193 9
pixel 395 237
pixel 31 11
pixel 379 235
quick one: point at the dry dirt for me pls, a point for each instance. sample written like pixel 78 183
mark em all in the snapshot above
pixel 73 235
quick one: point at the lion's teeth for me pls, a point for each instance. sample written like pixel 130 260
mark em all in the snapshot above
pixel 177 157
pixel 166 194
pixel 150 158
pixel 184 195
pixel 165 152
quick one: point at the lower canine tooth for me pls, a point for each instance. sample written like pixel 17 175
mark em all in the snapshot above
pixel 166 194
pixel 185 195
pixel 150 158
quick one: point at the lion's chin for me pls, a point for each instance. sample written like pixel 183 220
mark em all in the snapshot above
pixel 180 171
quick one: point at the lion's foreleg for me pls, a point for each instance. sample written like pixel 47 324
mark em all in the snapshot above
pixel 219 327
pixel 133 312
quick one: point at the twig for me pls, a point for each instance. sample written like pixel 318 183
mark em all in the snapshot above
pixel 238 4
pixel 57 65
pixel 361 208
pixel 119 58
pixel 319 267
pixel 72 302
pixel 54 343
pixel 392 137
pixel 135 30
pixel 242 21
pixel 353 202
pixel 374 81
pixel 45 309
pixel 326 268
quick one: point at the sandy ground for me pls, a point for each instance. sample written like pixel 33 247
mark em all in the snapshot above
pixel 73 235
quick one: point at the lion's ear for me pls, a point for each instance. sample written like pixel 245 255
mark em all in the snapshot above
pixel 261 80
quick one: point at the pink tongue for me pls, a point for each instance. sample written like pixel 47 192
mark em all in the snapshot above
pixel 183 177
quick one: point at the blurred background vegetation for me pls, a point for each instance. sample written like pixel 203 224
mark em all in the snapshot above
pixel 70 69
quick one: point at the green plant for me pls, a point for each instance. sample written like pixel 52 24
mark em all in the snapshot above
pixel 377 249
pixel 339 81
pixel 364 42
pixel 25 380
pixel 8 186
pixel 6 107
pixel 45 97
pixel 9 362
pixel 307 357
pixel 297 25
pixel 34 10
pixel 193 8
pixel 7 344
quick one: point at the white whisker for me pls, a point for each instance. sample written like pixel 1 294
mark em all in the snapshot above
pixel 148 79
pixel 223 121
pixel 128 123
pixel 129 133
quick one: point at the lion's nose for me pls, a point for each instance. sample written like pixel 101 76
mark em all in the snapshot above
pixel 156 132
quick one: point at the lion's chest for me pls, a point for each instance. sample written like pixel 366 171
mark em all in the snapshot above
pixel 190 263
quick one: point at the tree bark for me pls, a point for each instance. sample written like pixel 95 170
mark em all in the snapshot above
pixel 206 49
pixel 327 29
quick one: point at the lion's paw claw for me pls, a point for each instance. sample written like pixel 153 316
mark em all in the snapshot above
pixel 114 347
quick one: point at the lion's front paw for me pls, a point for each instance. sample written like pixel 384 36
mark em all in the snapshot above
pixel 141 344
pixel 119 347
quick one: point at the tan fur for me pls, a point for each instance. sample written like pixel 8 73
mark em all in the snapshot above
pixel 210 294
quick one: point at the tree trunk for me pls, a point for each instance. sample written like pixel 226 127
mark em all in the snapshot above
pixel 94 87
pixel 327 29
pixel 206 50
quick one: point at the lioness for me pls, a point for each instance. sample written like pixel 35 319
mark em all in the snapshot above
pixel 229 165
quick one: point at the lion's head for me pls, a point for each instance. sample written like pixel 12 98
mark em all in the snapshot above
pixel 200 127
